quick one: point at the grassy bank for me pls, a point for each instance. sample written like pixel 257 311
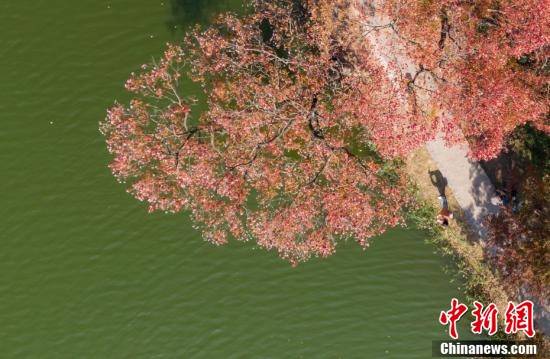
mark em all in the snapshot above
pixel 456 240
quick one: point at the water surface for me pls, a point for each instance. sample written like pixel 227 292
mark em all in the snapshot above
pixel 85 272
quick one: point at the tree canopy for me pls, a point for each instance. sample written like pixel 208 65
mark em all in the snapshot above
pixel 286 151
pixel 489 59
pixel 299 145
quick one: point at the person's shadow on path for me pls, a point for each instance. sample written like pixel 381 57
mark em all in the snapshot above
pixel 438 181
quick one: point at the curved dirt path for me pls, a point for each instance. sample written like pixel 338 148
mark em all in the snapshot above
pixel 470 184
pixel 471 187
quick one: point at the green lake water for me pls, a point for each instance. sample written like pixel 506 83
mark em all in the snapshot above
pixel 85 272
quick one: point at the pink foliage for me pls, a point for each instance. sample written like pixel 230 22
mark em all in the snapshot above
pixel 287 152
pixel 489 59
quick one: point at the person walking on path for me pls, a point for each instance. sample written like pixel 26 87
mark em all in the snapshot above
pixel 444 214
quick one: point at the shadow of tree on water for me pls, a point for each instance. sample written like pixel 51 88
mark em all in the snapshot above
pixel 187 13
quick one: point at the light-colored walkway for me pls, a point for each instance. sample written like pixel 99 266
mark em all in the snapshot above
pixel 470 184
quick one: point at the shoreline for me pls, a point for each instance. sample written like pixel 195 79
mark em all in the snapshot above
pixel 473 200
pixel 456 240
pixel 460 243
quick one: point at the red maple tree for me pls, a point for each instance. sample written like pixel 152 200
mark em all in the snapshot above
pixel 489 59
pixel 294 149
pixel 518 240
